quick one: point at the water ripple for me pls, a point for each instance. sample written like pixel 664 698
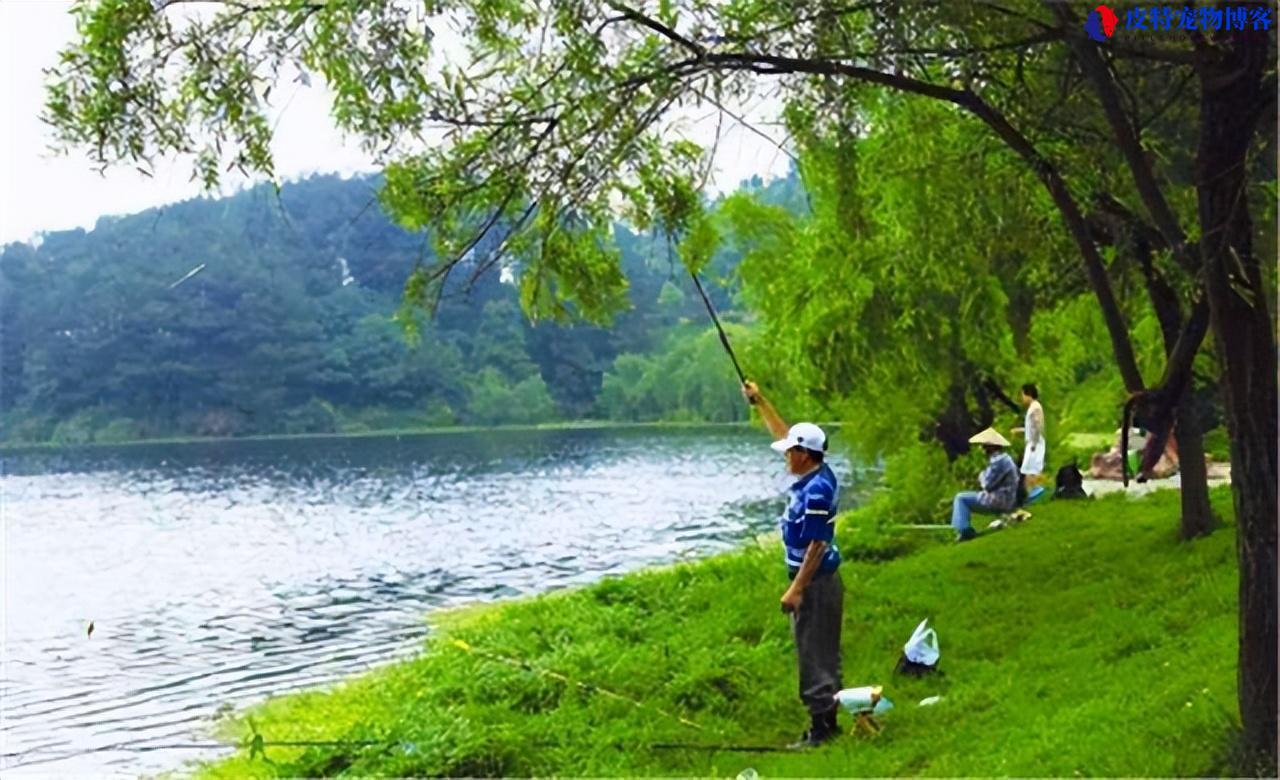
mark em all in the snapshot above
pixel 223 573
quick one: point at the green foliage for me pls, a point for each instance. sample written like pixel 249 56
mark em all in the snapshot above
pixel 625 393
pixel 699 243
pixel 315 416
pixel 691 378
pixel 77 429
pixel 891 297
pixel 919 483
pixel 931 244
pixel 671 298
pixel 494 400
pixel 289 328
pixel 118 431
pixel 542 124
pixel 1217 444
pixel 1064 653
pixel 932 241
pixel 20 425
pixel 1074 371
pixel 381 418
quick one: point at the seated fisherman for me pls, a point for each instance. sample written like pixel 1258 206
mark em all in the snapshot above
pixel 999 482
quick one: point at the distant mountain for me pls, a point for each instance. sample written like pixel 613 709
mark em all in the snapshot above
pixel 287 325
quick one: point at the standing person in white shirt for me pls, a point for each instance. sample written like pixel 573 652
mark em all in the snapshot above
pixel 1033 432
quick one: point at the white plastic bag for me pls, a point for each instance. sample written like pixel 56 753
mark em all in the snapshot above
pixel 922 647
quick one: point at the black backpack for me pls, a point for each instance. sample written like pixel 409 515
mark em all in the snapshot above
pixel 1070 482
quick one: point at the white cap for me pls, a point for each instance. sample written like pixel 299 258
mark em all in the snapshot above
pixel 805 435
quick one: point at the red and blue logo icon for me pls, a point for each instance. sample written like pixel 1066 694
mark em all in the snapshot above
pixel 1101 23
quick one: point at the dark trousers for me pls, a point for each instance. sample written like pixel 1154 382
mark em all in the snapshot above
pixel 816 628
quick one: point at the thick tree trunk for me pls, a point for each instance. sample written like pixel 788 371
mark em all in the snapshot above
pixel 1243 333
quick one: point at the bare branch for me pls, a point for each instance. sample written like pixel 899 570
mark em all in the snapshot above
pixel 748 125
pixel 658 27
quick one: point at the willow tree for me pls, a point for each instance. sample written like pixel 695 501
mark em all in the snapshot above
pixel 520 128
pixel 904 294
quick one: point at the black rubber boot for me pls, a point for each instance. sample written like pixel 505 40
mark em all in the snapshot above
pixel 822 728
pixel 832 723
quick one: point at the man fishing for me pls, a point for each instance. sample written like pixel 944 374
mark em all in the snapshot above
pixel 815 598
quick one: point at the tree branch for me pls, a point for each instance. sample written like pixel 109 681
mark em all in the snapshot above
pixel 1144 51
pixel 1121 217
pixel 1127 139
pixel 1048 36
pixel 1040 165
pixel 1178 370
pixel 657 26
pixel 748 125
pixel 1176 94
pixel 244 5
pixel 1127 232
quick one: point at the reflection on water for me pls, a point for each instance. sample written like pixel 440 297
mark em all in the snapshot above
pixel 225 572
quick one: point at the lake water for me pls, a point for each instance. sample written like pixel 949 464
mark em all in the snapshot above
pixel 220 573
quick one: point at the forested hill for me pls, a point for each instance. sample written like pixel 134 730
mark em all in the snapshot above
pixel 288 329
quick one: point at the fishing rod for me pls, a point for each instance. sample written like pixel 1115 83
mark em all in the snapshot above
pixel 712 748
pixel 257 746
pixel 724 338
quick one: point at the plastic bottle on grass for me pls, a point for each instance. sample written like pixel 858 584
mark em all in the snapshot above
pixel 865 699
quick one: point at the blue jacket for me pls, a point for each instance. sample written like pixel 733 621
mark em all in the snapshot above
pixel 999 483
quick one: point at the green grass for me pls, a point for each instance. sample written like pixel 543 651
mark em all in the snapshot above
pixel 1087 641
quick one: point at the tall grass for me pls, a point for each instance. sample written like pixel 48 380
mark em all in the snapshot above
pixel 1087 641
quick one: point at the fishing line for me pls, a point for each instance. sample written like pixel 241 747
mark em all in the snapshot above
pixel 256 744
pixel 589 687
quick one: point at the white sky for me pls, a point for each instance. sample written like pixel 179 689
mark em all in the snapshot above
pixel 42 192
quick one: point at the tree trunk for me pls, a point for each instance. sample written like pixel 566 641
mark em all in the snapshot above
pixel 1243 333
pixel 1197 517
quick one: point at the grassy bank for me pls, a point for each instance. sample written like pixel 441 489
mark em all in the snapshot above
pixel 1087 641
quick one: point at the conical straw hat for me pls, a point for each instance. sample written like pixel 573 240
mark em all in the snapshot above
pixel 990 436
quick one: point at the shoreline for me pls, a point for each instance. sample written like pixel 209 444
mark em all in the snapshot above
pixel 7 447
pixel 572 425
pixel 702 641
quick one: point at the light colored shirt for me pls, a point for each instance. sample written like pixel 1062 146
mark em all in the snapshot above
pixel 1034 424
